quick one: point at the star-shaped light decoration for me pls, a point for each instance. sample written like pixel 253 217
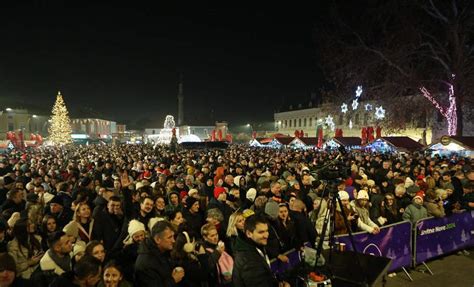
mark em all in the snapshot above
pixel 344 108
pixel 355 104
pixel 379 113
pixel 359 91
pixel 330 122
pixel 368 107
pixel 350 124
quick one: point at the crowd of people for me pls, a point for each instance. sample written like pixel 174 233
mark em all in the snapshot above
pixel 138 215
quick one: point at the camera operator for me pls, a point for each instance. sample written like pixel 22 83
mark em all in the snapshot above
pixel 251 264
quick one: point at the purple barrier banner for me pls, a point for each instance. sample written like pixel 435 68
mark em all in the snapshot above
pixel 294 259
pixel 438 236
pixel 393 241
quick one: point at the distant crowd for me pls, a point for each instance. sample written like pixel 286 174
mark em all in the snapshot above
pixel 138 215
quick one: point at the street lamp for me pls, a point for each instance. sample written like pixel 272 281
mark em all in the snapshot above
pixel 8 109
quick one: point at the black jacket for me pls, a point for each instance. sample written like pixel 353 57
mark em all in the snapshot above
pixel 251 268
pixel 305 230
pixel 153 268
pixel 110 229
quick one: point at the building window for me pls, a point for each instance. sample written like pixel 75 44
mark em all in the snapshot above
pixel 290 123
pixel 286 123
pixel 11 127
pixel 341 119
pixel 304 122
pixel 316 121
pixel 357 119
pixel 310 122
pixel 299 123
pixel 366 118
pixel 294 123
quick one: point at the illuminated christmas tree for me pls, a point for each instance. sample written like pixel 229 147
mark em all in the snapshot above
pixel 60 124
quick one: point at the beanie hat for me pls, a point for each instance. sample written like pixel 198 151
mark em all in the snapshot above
pixel 420 194
pixel 57 200
pixel 247 213
pixel 218 190
pixel 13 219
pixel 79 246
pixel 192 192
pixel 348 181
pixel 237 180
pixel 134 226
pixel 32 197
pixel 271 209
pixel 153 221
pixel 343 194
pixel 190 201
pixel 370 182
pixel 251 194
pixel 85 181
pixel 362 194
pixel 408 182
pixel 71 229
pixel 139 185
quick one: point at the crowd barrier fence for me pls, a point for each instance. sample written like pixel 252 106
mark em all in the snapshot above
pixel 405 245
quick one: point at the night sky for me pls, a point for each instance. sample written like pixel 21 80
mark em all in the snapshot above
pixel 124 63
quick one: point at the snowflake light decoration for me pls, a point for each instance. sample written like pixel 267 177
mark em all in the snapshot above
pixel 344 108
pixel 368 107
pixel 359 91
pixel 350 124
pixel 355 104
pixel 379 113
pixel 330 122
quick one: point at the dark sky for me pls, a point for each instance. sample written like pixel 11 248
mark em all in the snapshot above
pixel 124 63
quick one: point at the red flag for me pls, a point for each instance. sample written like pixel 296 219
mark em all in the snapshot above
pixel 370 132
pixel 379 132
pixel 320 138
pixel 219 135
pixel 213 136
pixel 364 136
pixel 39 138
pixel 301 134
pixel 22 142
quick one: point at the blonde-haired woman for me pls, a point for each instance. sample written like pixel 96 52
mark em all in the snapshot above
pixel 83 221
pixel 236 225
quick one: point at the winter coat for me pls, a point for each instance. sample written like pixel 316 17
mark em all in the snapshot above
pixel 47 264
pixel 193 222
pixel 364 223
pixel 305 230
pixel 433 208
pixel 153 268
pixel 110 229
pixel 250 267
pixel 20 254
pixel 415 212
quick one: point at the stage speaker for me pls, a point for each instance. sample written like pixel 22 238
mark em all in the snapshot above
pixel 346 271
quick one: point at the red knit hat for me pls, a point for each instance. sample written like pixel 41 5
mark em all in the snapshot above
pixel 420 194
pixel 348 181
pixel 218 190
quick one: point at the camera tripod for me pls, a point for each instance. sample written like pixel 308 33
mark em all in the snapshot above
pixel 331 192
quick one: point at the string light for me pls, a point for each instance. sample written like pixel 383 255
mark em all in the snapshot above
pixel 60 123
pixel 379 113
pixel 449 113
pixel 330 122
pixel 359 91
pixel 355 104
pixel 344 108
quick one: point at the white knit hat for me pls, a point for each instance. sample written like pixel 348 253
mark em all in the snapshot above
pixel 153 221
pixel 362 194
pixel 134 226
pixel 408 182
pixel 192 192
pixel 251 194
pixel 343 194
